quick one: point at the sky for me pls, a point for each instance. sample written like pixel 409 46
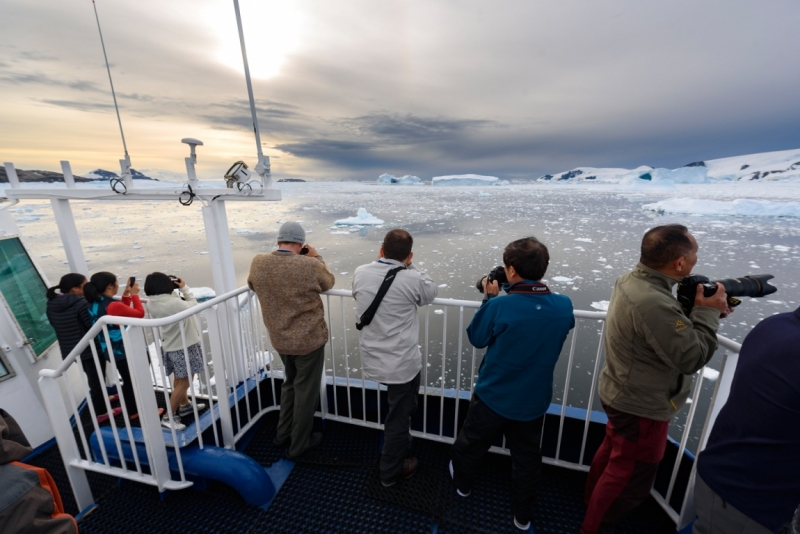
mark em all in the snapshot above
pixel 353 89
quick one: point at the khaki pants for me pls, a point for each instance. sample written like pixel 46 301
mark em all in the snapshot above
pixel 299 398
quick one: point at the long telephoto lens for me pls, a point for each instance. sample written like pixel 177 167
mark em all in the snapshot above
pixel 755 285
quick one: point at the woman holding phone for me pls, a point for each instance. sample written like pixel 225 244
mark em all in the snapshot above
pixel 100 292
pixel 176 347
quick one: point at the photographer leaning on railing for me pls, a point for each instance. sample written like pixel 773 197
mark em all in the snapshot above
pixel 652 349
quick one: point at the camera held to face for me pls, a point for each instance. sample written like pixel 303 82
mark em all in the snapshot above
pixel 498 273
pixel 755 286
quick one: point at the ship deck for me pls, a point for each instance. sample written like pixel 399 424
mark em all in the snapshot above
pixel 338 490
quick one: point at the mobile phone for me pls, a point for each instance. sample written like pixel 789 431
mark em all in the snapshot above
pixel 131 281
pixel 304 251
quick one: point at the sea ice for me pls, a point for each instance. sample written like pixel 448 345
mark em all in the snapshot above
pixel 363 217
pixel 466 179
pixel 601 305
pixel 743 206
pixel 710 374
pixel 203 294
pixel 402 180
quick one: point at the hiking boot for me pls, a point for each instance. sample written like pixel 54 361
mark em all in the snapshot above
pixel 104 417
pixel 452 476
pixel 174 423
pixel 410 466
pixel 186 409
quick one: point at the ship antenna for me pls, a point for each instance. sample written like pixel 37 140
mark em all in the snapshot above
pixel 263 166
pixel 110 81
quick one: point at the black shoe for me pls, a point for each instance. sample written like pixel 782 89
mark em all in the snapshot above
pixel 282 444
pixel 314 441
pixel 410 466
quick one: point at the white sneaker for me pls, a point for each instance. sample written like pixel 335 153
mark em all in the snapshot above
pixel 186 409
pixel 175 423
pixel 520 526
pixel 461 493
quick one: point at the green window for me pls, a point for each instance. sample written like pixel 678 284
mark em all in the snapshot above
pixel 24 293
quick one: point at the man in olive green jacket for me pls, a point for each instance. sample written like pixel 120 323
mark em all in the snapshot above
pixel 652 349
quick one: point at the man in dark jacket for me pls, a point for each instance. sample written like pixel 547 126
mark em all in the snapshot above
pixel 524 331
pixel 748 476
pixel 652 349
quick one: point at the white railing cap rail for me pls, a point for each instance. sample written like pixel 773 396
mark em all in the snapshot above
pixel 130 321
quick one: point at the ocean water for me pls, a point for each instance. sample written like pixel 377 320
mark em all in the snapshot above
pixel 592 231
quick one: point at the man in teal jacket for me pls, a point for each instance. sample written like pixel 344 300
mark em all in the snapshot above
pixel 524 331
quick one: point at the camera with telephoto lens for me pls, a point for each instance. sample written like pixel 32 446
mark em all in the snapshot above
pixel 754 285
pixel 498 273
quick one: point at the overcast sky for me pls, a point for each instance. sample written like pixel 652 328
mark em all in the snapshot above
pixel 352 89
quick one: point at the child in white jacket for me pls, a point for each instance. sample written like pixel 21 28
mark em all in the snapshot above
pixel 164 302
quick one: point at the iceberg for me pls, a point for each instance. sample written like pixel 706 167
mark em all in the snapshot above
pixel 743 206
pixel 403 180
pixel 682 175
pixel 466 179
pixel 363 217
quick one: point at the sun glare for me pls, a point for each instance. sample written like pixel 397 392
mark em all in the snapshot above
pixel 271 32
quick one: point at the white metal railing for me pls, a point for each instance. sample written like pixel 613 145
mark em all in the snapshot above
pixel 239 365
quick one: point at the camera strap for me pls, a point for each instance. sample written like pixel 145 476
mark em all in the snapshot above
pixel 368 315
pixel 537 289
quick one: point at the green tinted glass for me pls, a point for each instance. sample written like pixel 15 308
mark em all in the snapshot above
pixel 24 292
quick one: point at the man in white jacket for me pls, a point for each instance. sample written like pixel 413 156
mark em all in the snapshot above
pixel 389 343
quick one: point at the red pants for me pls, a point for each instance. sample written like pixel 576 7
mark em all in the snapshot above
pixel 623 469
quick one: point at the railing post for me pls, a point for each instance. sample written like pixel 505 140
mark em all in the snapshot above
pixel 220 376
pixel 59 419
pixel 136 355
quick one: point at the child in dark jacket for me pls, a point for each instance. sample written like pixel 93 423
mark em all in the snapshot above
pixel 68 313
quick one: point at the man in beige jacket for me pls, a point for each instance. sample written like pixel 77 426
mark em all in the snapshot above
pixel 288 282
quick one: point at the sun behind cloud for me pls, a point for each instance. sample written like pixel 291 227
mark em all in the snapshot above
pixel 272 31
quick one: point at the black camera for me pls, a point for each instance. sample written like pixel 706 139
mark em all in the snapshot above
pixel 754 285
pixel 304 251
pixel 174 279
pixel 498 273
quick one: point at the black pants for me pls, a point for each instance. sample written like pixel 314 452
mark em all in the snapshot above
pixel 522 438
pixel 127 386
pixel 97 383
pixel 396 437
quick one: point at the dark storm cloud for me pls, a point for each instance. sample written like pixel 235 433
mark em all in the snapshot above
pixel 273 117
pixel 411 128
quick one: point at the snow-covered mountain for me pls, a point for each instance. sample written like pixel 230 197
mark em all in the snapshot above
pixel 102 174
pixel 768 166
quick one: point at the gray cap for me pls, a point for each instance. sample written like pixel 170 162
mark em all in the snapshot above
pixel 291 232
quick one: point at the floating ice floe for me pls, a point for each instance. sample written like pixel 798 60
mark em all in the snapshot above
pixel 710 374
pixel 467 179
pixel 601 305
pixel 246 231
pixel 743 206
pixel 203 294
pixel 564 279
pixel 402 180
pixel 363 217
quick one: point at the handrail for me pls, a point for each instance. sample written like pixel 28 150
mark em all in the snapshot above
pixel 130 321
